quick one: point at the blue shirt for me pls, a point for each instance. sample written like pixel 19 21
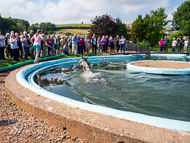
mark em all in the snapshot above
pixel 94 42
pixel 166 41
pixel 74 40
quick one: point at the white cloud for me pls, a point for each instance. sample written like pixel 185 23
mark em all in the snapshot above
pixel 170 16
pixel 74 11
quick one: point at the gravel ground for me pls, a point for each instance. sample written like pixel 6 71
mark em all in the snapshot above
pixel 17 125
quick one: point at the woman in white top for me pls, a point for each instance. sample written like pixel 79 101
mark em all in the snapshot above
pixel 14 46
pixel 174 43
pixel 186 44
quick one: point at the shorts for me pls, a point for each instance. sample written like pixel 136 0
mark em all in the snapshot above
pixel 185 48
pixel 37 47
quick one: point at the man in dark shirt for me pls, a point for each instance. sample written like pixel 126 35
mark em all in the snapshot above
pixel 117 42
pixel 94 41
pixel 107 41
pixel 179 44
pixel 166 41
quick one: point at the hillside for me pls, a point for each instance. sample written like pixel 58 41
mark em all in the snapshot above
pixel 73 28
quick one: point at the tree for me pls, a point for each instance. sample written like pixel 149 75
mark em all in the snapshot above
pixel 122 29
pixel 50 31
pixel 32 27
pixel 103 25
pixel 150 27
pixel 181 18
pixel 25 23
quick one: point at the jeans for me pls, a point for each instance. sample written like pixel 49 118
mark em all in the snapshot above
pixel 99 47
pixel 26 49
pixel 103 47
pixel 2 54
pixel 81 48
pixel 49 49
pixel 94 49
pixel 15 54
pixel 66 51
pixel 179 49
pixel 173 49
pixel 122 48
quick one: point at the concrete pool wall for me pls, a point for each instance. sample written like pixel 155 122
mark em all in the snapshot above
pixel 103 127
pixel 136 117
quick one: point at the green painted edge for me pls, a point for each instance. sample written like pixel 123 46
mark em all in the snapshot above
pixel 11 67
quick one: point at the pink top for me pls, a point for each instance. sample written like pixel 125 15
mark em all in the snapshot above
pixel 161 43
pixel 81 42
pixel 37 40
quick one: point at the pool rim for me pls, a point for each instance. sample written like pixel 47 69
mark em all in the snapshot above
pixel 135 117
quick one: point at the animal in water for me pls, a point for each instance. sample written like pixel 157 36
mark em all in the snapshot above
pixel 88 73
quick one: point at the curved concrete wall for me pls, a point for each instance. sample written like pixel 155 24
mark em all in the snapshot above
pixel 136 117
pixel 164 71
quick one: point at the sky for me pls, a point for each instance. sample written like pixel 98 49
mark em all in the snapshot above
pixel 78 11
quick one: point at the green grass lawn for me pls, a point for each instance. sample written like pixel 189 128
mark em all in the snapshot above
pixel 74 31
pixel 10 61
pixel 74 25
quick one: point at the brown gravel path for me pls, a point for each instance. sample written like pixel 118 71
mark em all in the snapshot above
pixel 160 64
pixel 17 125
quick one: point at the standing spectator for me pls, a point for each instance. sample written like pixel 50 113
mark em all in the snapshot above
pixel 75 44
pixel 70 43
pixel 186 44
pixel 62 42
pixel 81 45
pixel 94 44
pixel 30 35
pixel 25 42
pixel 103 44
pixel 19 44
pixel 37 43
pixel 8 46
pixel 111 45
pixel 43 47
pixel 78 44
pixel 53 44
pixel 179 44
pixel 14 46
pixel 107 42
pixel 87 44
pixel 49 45
pixel 161 44
pixel 117 42
pixel 99 44
pixel 122 42
pixel 2 47
pixel 174 43
pixel 57 43
pixel 166 41
pixel 66 49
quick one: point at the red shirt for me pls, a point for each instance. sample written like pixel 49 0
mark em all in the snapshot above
pixel 161 43
pixel 49 42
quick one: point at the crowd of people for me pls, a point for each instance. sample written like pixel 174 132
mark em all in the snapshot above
pixel 35 45
pixel 176 44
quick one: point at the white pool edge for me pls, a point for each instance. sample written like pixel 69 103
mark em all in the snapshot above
pixel 163 71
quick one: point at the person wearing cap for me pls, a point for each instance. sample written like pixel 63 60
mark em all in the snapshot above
pixel 37 43
pixel 179 44
pixel 174 43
